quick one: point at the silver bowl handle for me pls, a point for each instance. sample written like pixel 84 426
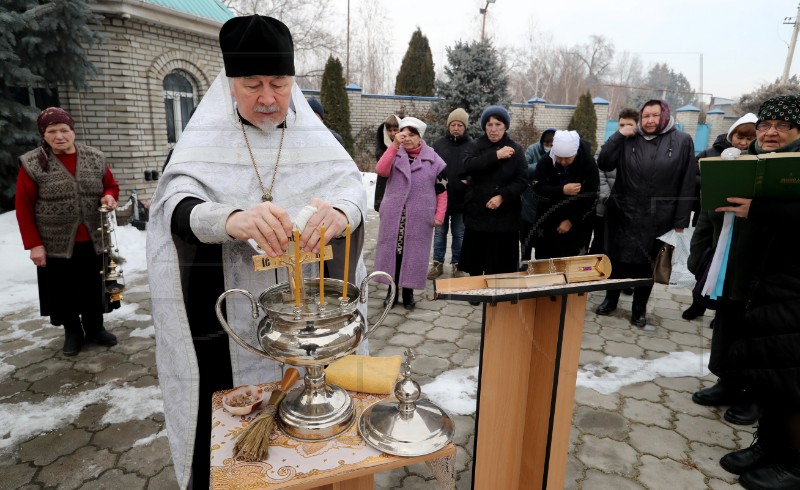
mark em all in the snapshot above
pixel 235 336
pixel 363 298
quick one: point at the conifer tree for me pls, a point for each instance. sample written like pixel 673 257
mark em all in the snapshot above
pixel 333 96
pixel 42 46
pixel 475 79
pixel 416 75
pixel 584 120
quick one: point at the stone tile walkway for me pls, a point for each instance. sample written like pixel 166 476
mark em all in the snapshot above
pixel 647 435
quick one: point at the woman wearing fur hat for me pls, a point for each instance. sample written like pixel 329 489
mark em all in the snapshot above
pixel 653 193
pixel 60 187
pixel 758 315
pixel 414 203
pixel 495 169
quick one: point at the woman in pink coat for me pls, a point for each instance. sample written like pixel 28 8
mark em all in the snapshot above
pixel 414 203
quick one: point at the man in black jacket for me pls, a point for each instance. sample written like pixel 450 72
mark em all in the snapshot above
pixel 451 148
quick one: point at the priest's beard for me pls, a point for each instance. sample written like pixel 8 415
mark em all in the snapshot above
pixel 267 127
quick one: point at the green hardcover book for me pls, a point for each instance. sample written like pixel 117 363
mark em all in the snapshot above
pixel 775 175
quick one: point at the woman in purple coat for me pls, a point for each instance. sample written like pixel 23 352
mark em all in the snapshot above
pixel 414 203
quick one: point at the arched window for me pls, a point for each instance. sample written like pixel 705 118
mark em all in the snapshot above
pixel 179 103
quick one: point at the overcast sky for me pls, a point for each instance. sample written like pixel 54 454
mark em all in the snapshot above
pixel 743 43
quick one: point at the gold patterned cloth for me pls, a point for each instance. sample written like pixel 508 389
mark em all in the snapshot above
pixel 292 462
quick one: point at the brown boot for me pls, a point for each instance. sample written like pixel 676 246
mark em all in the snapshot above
pixel 436 270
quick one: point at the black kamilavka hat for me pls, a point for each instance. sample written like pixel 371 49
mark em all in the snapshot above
pixel 256 45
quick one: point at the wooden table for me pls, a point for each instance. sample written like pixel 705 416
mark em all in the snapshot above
pixel 343 463
pixel 531 341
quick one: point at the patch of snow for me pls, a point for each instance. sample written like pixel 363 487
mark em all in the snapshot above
pixel 145 333
pixel 146 441
pixel 455 391
pixel 21 421
pixel 612 373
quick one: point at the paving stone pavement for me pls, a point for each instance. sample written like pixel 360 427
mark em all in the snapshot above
pixel 645 436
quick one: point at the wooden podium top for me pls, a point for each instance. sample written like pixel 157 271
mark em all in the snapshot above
pixel 474 288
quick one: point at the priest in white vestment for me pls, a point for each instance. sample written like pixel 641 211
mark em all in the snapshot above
pixel 252 156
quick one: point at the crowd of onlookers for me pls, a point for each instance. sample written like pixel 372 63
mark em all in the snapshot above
pixel 503 205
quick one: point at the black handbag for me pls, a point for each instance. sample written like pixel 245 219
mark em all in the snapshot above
pixel 663 266
pixel 701 275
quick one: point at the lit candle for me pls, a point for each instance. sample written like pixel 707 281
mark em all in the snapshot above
pixel 298 275
pixel 346 260
pixel 322 265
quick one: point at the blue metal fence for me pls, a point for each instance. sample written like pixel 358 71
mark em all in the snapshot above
pixel 701 141
pixel 611 126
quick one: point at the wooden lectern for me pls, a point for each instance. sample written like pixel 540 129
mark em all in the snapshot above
pixel 531 341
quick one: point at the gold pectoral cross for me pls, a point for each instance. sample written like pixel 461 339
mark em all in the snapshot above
pixel 292 260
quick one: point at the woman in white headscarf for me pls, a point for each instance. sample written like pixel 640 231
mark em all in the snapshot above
pixel 565 183
pixel 415 202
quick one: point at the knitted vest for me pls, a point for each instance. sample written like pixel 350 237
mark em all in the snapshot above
pixel 66 201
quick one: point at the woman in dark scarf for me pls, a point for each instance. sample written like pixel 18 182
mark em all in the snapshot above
pixel 495 170
pixel 653 193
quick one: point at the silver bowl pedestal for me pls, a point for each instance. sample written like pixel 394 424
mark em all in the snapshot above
pixel 310 336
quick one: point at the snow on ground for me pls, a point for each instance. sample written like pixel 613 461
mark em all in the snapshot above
pixel 20 421
pixel 457 391
pixel 149 332
pixel 612 373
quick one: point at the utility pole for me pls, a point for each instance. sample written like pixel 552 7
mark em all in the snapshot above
pixel 790 55
pixel 347 58
pixel 483 11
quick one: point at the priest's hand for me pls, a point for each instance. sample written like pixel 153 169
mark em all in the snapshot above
pixel 39 256
pixel 266 223
pixel 331 218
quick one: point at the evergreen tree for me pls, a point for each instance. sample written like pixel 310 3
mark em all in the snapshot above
pixel 333 96
pixel 667 84
pixel 752 101
pixel 584 120
pixel 416 75
pixel 43 46
pixel 476 78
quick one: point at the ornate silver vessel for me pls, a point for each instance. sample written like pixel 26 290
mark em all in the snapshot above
pixel 311 335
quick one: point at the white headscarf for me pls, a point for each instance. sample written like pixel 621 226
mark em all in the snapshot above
pixel 565 144
pixel 748 118
pixel 414 123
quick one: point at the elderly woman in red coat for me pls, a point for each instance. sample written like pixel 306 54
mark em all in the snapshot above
pixel 60 187
pixel 414 203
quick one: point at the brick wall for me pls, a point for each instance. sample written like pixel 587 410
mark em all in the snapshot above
pixel 122 113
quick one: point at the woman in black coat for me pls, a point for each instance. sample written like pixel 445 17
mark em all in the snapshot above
pixel 384 136
pixel 495 169
pixel 567 193
pixel 653 193
pixel 764 338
